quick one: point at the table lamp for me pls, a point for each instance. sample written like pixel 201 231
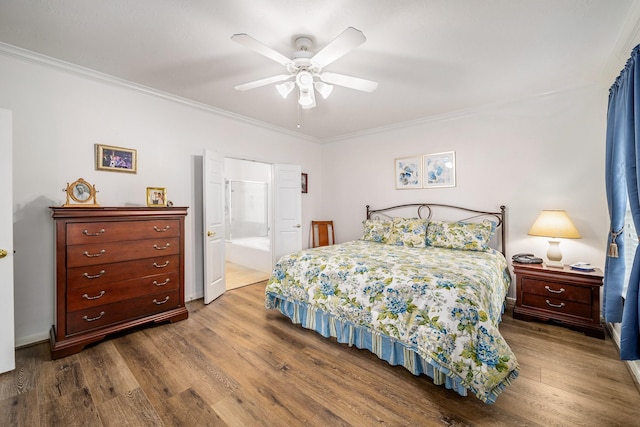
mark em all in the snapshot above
pixel 555 224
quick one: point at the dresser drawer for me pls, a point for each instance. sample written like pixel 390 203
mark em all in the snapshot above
pixel 95 295
pixel 104 274
pixel 96 253
pixel 116 231
pixel 110 314
pixel 555 305
pixel 556 290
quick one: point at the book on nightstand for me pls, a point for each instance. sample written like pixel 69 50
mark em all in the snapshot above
pixel 582 266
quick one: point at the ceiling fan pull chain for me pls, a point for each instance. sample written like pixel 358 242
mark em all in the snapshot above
pixel 298 105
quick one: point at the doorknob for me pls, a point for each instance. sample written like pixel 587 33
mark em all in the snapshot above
pixel 211 233
pixel 297 226
pixel 3 253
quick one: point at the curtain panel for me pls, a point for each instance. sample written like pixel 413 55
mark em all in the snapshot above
pixel 622 181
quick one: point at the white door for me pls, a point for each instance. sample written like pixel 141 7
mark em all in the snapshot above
pixel 213 215
pixel 7 332
pixel 287 210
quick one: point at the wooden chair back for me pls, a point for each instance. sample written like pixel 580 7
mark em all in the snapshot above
pixel 322 233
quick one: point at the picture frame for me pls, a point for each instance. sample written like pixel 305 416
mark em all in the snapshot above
pixel 116 159
pixel 305 183
pixel 408 173
pixel 439 169
pixel 156 197
pixel 81 192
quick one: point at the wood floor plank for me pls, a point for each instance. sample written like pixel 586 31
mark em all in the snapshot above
pixel 75 408
pixel 107 373
pixel 132 409
pixel 145 362
pixel 20 410
pixel 234 363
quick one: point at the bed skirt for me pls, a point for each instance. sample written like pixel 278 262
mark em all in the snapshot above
pixel 388 349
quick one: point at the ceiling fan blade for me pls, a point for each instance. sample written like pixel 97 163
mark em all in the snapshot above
pixel 253 44
pixel 348 81
pixel 263 82
pixel 338 47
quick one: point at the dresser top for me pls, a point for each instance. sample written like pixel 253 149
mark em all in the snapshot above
pixel 115 211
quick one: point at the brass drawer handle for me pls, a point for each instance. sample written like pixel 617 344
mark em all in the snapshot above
pixel 161 248
pixel 160 266
pixel 161 302
pixel 553 291
pixel 555 305
pixel 88 255
pixel 161 284
pixel 86 232
pixel 161 230
pixel 92 319
pixel 85 296
pixel 95 276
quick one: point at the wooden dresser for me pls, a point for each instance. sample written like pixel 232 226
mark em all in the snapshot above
pixel 116 268
pixel 562 295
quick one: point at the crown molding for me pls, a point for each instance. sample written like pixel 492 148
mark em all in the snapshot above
pixel 628 38
pixel 30 56
pixel 457 114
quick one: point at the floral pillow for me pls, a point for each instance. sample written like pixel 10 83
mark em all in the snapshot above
pixel 410 232
pixel 460 235
pixel 377 230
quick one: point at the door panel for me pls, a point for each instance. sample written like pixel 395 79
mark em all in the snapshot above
pixel 287 210
pixel 213 197
pixel 7 332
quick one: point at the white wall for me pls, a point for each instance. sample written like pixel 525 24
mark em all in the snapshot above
pixel 545 152
pixel 58 117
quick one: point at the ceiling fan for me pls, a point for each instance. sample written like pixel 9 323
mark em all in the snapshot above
pixel 305 68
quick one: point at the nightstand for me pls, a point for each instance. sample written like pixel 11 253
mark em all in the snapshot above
pixel 563 295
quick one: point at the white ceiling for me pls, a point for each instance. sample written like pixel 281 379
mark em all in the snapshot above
pixel 430 57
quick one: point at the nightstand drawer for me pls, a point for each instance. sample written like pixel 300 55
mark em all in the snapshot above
pixel 556 305
pixel 556 290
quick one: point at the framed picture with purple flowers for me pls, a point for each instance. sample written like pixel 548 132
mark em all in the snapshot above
pixel 408 173
pixel 439 169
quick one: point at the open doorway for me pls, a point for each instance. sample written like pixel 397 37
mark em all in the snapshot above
pixel 248 238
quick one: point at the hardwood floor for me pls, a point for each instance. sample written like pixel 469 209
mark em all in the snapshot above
pixel 234 363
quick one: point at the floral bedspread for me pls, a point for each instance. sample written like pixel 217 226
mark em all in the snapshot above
pixel 444 304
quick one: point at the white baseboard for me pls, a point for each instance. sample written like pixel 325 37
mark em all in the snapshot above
pixel 633 365
pixel 32 339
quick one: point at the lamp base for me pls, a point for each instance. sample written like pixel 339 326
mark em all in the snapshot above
pixel 554 264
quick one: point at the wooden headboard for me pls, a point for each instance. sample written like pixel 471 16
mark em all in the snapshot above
pixel 436 211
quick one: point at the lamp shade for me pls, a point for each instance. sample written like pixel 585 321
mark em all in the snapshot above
pixel 556 224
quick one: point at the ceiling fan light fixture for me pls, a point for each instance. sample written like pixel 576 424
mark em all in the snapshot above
pixel 323 89
pixel 284 89
pixel 307 99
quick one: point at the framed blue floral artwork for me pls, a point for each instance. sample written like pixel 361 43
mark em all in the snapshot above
pixel 439 169
pixel 408 173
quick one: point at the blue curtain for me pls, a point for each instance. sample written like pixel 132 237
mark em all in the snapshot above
pixel 622 180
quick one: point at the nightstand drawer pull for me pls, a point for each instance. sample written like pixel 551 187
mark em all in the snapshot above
pixel 156 302
pixel 160 248
pixel 161 230
pixel 555 305
pixel 156 265
pixel 553 291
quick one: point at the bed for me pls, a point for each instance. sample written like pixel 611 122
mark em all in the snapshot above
pixel 417 290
